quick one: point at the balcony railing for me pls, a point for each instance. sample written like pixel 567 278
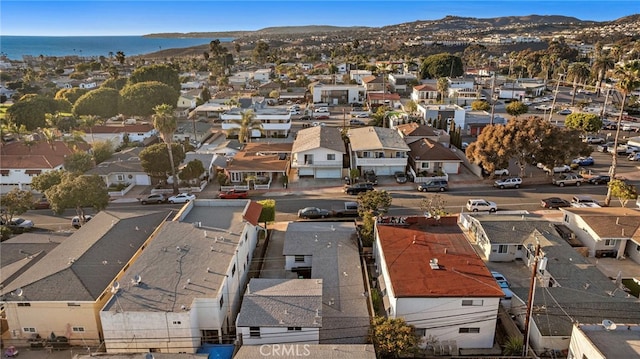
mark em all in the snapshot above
pixel 386 161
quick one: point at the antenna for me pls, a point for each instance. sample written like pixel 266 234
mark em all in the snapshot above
pixel 609 325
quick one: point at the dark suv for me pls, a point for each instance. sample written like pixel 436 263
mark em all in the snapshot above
pixel 359 188
pixel 370 176
pixel 433 185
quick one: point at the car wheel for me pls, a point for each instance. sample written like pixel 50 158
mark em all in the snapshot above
pixel 501 186
pixel 561 184
pixel 475 210
pixel 442 189
pixel 517 186
pixel 491 210
pixel 172 202
pixel 577 184
pixel 144 202
pixel 159 202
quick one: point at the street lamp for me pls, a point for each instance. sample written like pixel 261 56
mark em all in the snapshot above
pixel 555 95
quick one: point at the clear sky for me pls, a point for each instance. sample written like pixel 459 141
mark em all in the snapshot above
pixel 115 17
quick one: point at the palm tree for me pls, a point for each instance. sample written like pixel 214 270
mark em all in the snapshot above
pixel 88 122
pixel 601 65
pixel 628 77
pixel 166 124
pixel 245 126
pixel 443 86
pixel 50 135
pixel 578 72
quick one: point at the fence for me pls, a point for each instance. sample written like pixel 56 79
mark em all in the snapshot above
pixel 123 192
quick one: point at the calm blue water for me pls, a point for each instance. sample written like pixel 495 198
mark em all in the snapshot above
pixel 14 47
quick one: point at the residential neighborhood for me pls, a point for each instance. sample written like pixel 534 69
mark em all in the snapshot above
pixel 267 195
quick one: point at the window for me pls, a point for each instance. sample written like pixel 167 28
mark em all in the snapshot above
pixel 610 242
pixel 24 304
pixel 297 329
pixel 399 154
pixel 420 332
pixel 472 302
pixel 469 330
pixel 77 329
pixel 221 302
pixel 254 332
pixel 637 247
pixel 566 218
pixel 233 270
pixel 366 154
pixel 331 156
pixel 299 259
pixel 424 165
pixel 29 330
pixel 519 247
pixel 503 248
pixel 120 177
pixel 73 305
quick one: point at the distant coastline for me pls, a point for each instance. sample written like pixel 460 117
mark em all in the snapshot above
pixel 15 47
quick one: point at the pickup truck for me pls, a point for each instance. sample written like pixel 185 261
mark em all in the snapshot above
pixel 568 179
pixel 233 194
pixel 581 201
pixel 349 209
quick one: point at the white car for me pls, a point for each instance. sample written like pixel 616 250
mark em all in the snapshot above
pixel 181 198
pixel 557 169
pixel 501 172
pixel 475 205
pixel 21 223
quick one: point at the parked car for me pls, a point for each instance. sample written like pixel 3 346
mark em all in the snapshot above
pixel 542 107
pixel 181 198
pixel 504 284
pixel 401 177
pixel 584 161
pixel 513 182
pixel 594 140
pixel 313 212
pixel 77 223
pixel 582 201
pixel 359 188
pixel 21 223
pixel 604 147
pixel 370 176
pixel 153 198
pixel 554 202
pixel 356 123
pixel 42 203
pixel 322 117
pixel 568 179
pixel 321 110
pixel 348 209
pixel 634 156
pixel 433 185
pixel 557 169
pixel 233 194
pixel 305 118
pixel 501 172
pixel 599 179
pixel 564 112
pixel 476 205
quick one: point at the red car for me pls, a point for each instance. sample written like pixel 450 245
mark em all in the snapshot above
pixel 42 203
pixel 233 194
pixel 322 117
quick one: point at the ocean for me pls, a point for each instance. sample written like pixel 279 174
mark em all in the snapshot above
pixel 14 47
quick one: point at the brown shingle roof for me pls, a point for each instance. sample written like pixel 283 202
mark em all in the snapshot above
pixel 261 157
pixel 318 137
pixel 416 129
pixel 611 222
pixel 408 250
pixel 427 150
pixel 41 155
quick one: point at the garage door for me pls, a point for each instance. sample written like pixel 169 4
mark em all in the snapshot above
pixel 328 173
pixel 306 171
pixel 143 180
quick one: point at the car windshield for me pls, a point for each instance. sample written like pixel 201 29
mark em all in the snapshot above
pixel 18 220
pixel 503 284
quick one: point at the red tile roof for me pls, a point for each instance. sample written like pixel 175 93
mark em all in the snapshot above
pixel 425 88
pixel 261 157
pixel 409 248
pixel 41 155
pixel 121 128
pixel 383 96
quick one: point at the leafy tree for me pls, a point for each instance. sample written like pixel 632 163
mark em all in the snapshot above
pixel 205 95
pixel 516 108
pixel 480 106
pixel 14 203
pixel 102 150
pixel 433 206
pixel 102 102
pixel 261 52
pixel 115 83
pixel 166 123
pixel 78 192
pixel 367 229
pixel 140 98
pixel 268 213
pixel 155 159
pixel 71 95
pixel 623 191
pixel 274 94
pixel 530 141
pixel 120 57
pixel 63 105
pixel 161 73
pixel 392 337
pixel 374 202
pixel 412 107
pixel 628 80
pixel 30 111
pixel 443 87
pixel 245 126
pixel 587 122
pixel 193 170
pixel 46 180
pixel 78 162
pixel 61 122
pixel 441 65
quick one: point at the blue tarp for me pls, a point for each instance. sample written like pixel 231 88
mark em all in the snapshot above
pixel 217 351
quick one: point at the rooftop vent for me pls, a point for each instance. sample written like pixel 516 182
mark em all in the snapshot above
pixel 434 263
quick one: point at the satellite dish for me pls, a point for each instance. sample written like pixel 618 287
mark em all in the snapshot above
pixel 609 325
pixel 19 292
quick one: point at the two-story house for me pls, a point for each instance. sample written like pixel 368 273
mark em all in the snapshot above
pixel 21 161
pixel 606 232
pixel 337 94
pixel 430 276
pixel 379 149
pixel 425 93
pixel 358 75
pixel 259 163
pixel 187 282
pixel 400 83
pixel 262 75
pixel 276 122
pixel 318 151
pixel 414 131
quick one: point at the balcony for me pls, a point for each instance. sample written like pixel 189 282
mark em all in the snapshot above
pixel 385 161
pixel 316 164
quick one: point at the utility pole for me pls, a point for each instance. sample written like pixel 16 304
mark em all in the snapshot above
pixel 604 105
pixel 493 99
pixel 555 95
pixel 532 287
